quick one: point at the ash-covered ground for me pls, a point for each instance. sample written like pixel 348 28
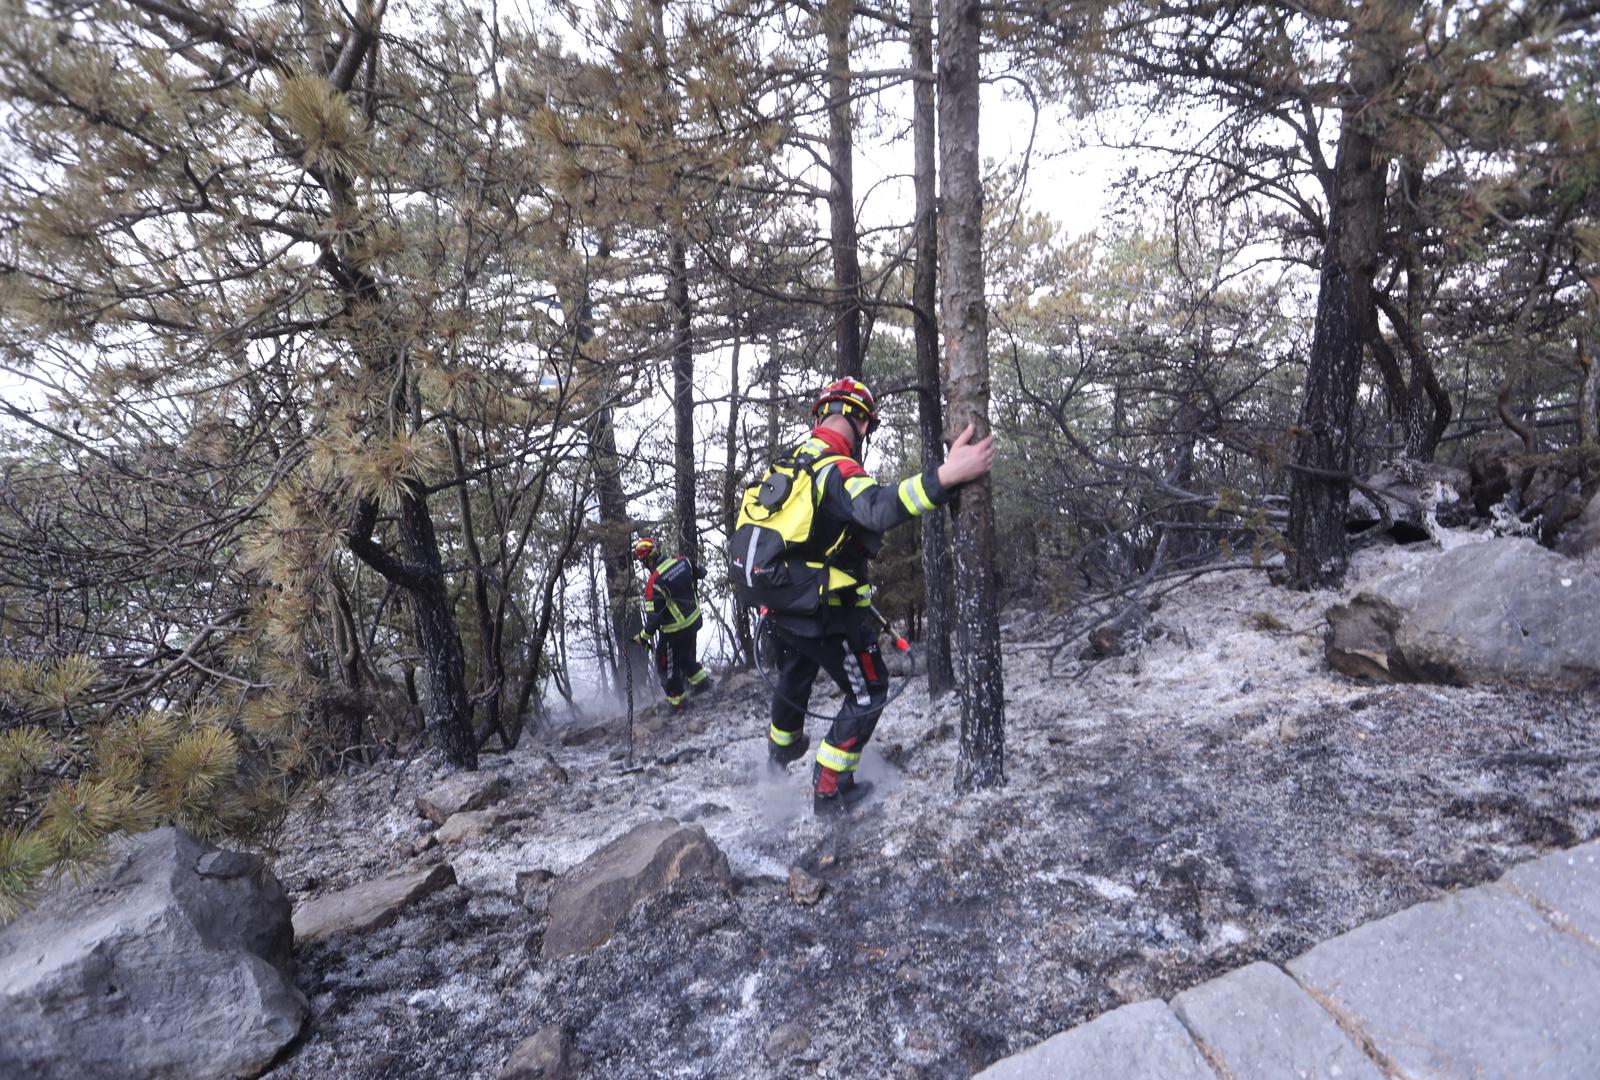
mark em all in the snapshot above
pixel 1218 798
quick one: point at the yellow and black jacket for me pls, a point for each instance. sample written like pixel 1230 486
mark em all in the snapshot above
pixel 849 512
pixel 670 604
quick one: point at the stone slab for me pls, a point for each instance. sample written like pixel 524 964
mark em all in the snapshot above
pixel 1258 1022
pixel 1143 1040
pixel 1569 882
pixel 469 825
pixel 369 905
pixel 593 898
pixel 462 792
pixel 1475 984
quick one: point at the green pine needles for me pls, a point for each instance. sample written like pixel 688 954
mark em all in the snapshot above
pixel 70 779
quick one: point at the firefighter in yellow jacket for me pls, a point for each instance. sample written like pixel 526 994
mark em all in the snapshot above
pixel 672 617
pixel 815 590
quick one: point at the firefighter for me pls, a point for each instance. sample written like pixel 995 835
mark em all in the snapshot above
pixel 672 617
pixel 840 634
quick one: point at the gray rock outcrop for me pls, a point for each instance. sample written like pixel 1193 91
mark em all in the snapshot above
pixel 1407 493
pixel 174 961
pixel 369 905
pixel 592 900
pixel 1499 610
pixel 460 793
pixel 1582 534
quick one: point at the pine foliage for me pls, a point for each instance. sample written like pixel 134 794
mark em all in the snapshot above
pixel 69 788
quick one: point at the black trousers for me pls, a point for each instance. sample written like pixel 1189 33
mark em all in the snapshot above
pixel 678 665
pixel 849 653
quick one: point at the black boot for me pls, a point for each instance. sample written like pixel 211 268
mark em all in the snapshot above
pixel 779 757
pixel 704 686
pixel 847 793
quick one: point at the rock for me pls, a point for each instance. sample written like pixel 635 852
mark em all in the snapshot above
pixel 584 736
pixel 552 772
pixel 370 905
pixel 1500 610
pixel 1139 1040
pixel 1582 534
pixel 463 791
pixel 593 899
pixel 1288 729
pixel 1411 492
pixel 805 888
pixel 705 810
pixel 785 1040
pixel 1549 491
pixel 548 1055
pixel 1493 468
pixel 533 889
pixel 469 825
pixel 1361 636
pixel 1257 1021
pixel 174 961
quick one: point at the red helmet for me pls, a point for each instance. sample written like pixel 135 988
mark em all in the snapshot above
pixel 847 396
pixel 643 548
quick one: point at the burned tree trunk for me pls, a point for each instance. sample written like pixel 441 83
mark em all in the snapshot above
pixel 420 572
pixel 682 398
pixel 731 494
pixel 964 319
pixel 925 299
pixel 1319 486
pixel 841 198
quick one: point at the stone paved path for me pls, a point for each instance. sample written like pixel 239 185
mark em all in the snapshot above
pixel 1498 981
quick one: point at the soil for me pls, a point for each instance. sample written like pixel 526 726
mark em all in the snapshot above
pixel 1218 796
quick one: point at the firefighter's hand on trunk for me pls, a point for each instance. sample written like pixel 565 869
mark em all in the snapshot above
pixel 642 637
pixel 967 460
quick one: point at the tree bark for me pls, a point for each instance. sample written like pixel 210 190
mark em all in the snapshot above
pixel 1319 491
pixel 965 322
pixel 682 398
pixel 616 527
pixel 420 572
pixel 491 663
pixel 841 199
pixel 925 299
pixel 730 503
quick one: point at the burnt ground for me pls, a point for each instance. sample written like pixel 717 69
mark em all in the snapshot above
pixel 1220 797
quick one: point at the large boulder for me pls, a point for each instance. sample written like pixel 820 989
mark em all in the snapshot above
pixel 174 961
pixel 592 900
pixel 370 905
pixel 465 791
pixel 1500 610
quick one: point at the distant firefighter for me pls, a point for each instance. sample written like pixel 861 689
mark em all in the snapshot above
pixel 672 617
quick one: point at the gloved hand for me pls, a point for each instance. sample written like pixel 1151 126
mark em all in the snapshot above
pixel 642 637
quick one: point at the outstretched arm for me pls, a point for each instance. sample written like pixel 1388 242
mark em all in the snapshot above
pixel 851 495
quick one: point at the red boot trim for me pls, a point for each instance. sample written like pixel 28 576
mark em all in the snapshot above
pixel 827 782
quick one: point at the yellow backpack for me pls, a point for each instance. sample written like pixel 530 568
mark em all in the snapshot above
pixel 779 562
